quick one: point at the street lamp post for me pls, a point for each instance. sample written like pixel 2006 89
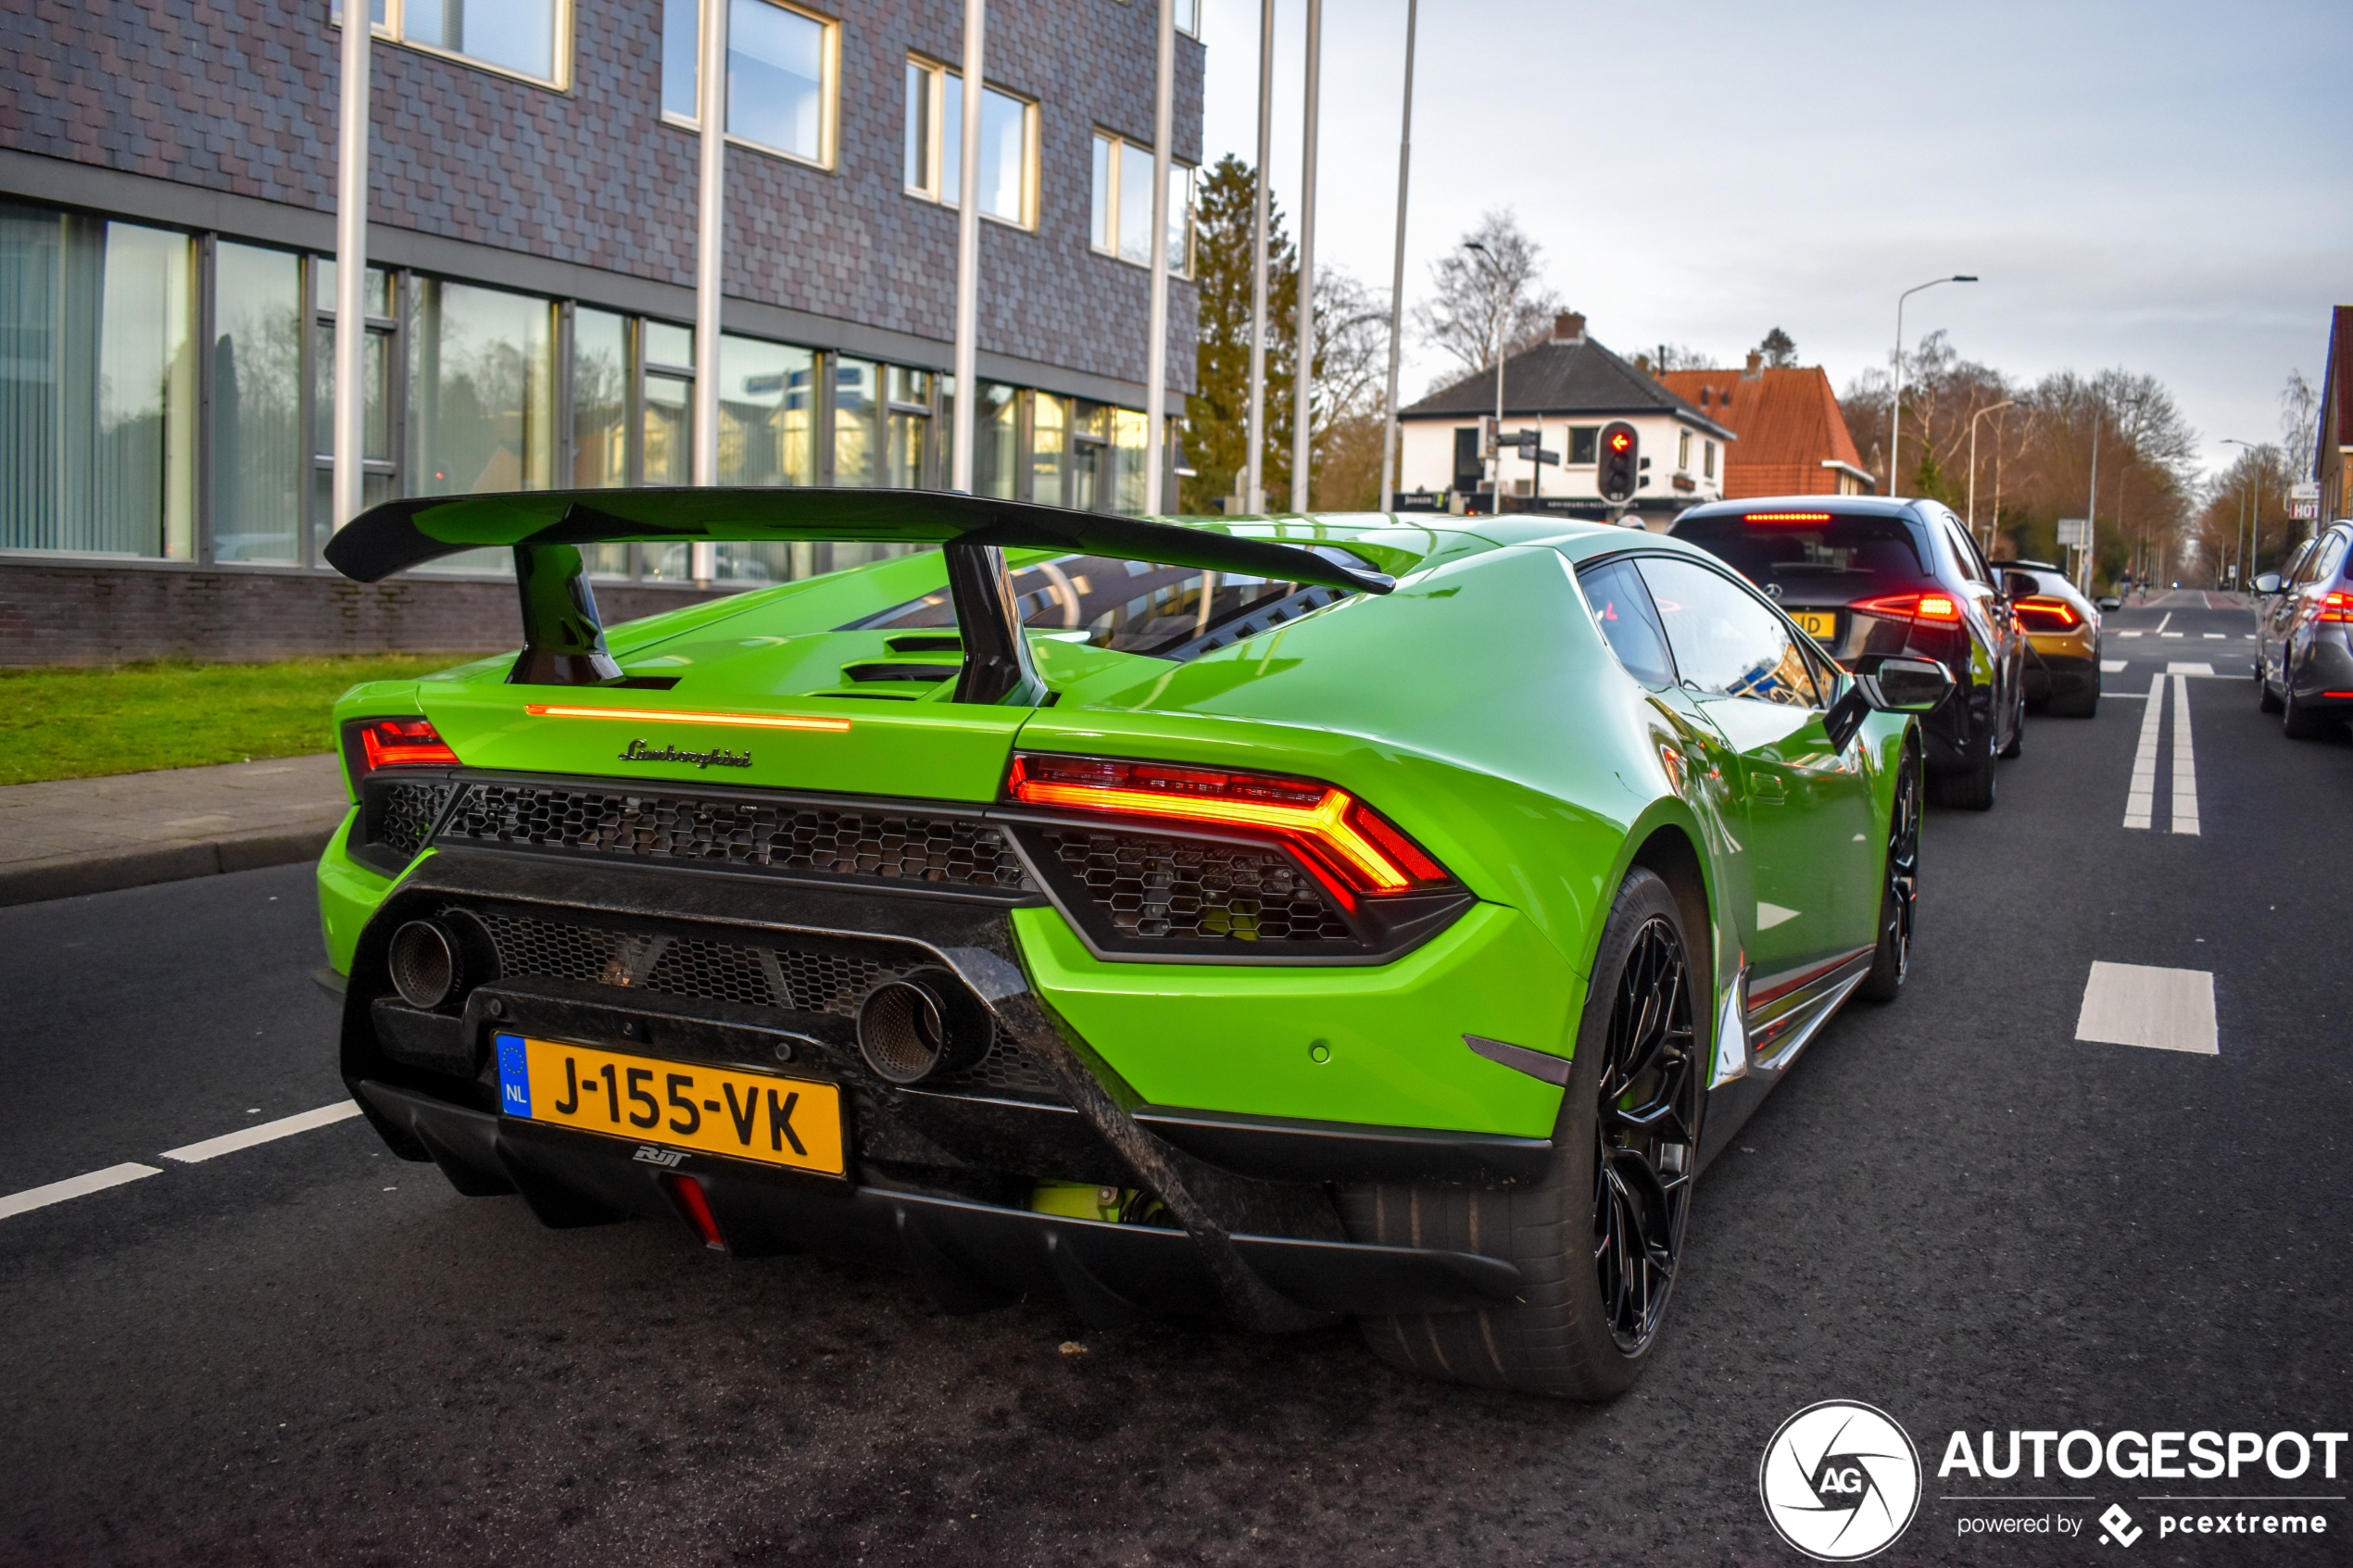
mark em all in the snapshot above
pixel 1503 314
pixel 2006 403
pixel 1254 471
pixel 2238 541
pixel 1896 409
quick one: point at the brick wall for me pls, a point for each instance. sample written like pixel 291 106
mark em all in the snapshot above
pixel 239 95
pixel 108 613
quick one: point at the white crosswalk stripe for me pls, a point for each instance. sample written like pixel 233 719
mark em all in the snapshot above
pixel 2185 763
pixel 2141 800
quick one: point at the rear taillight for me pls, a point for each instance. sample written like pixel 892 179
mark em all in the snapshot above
pixel 2043 614
pixel 1913 606
pixel 1349 848
pixel 403 743
pixel 2336 606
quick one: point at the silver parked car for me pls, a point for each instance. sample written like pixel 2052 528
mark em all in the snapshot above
pixel 2304 635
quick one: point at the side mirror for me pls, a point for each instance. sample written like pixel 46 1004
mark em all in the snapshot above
pixel 1898 686
pixel 2111 602
pixel 2267 583
pixel 2019 585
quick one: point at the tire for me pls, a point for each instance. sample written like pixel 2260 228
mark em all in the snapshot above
pixel 1972 789
pixel 2266 699
pixel 2017 747
pixel 1899 888
pixel 1598 1235
pixel 2299 722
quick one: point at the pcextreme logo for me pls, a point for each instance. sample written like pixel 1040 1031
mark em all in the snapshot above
pixel 1840 1481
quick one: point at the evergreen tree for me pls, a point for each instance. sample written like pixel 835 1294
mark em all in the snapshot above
pixel 1218 413
pixel 1778 348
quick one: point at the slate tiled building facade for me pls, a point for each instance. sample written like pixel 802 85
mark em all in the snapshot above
pixel 167 198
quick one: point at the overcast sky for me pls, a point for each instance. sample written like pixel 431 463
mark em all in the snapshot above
pixel 2160 187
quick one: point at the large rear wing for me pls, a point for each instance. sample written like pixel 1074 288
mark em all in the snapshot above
pixel 564 642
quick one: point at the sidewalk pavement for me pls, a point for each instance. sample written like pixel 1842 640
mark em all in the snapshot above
pixel 92 836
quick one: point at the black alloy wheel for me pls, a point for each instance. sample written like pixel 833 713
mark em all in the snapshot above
pixel 1649 1135
pixel 1900 890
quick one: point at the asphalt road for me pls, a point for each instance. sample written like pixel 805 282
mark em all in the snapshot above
pixel 307 1351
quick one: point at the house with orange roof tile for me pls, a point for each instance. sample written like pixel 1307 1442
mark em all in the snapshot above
pixel 1792 436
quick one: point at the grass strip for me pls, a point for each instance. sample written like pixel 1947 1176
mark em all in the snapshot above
pixel 57 723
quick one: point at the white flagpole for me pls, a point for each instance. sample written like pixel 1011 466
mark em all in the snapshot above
pixel 968 255
pixel 1254 468
pixel 711 238
pixel 351 265
pixel 1156 359
pixel 1302 386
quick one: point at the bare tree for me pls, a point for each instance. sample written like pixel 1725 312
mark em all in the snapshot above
pixel 1474 293
pixel 2299 424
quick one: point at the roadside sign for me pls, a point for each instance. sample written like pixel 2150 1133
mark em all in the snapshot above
pixel 2074 531
pixel 2304 509
pixel 2305 490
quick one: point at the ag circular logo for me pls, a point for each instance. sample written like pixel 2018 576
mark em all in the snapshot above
pixel 1840 1481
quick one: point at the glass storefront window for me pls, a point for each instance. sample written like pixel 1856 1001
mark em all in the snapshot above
pixel 97 386
pixel 1091 467
pixel 996 432
pixel 481 403
pixel 1127 429
pixel 856 405
pixel 767 435
pixel 256 453
pixel 600 418
pixel 1049 448
pixel 909 427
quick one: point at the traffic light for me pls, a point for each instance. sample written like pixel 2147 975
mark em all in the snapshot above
pixel 1617 472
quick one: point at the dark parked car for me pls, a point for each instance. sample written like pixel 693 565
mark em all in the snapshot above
pixel 2303 652
pixel 1870 579
pixel 2062 637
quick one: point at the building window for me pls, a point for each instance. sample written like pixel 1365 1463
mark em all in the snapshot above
pixel 783 67
pixel 907 427
pixel 1710 459
pixel 935 144
pixel 97 386
pixel 1120 222
pixel 1683 452
pixel 256 404
pixel 526 38
pixel 1584 444
pixel 480 410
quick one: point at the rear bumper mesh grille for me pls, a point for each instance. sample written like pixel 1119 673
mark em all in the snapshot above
pixel 825 841
pixel 751 973
pixel 1146 889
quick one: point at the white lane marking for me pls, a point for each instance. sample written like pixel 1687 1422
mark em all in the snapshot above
pixel 74 1187
pixel 2214 636
pixel 2141 800
pixel 2113 666
pixel 2184 762
pixel 2162 625
pixel 2169 634
pixel 285 1126
pixel 2188 667
pixel 2165 1009
pixel 2129 633
pixel 1771 915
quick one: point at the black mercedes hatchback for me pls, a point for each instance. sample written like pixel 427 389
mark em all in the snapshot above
pixel 1869 579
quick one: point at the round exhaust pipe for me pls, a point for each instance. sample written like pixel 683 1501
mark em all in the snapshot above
pixel 919 1027
pixel 427 964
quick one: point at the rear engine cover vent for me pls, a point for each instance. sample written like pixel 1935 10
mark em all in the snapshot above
pixel 808 840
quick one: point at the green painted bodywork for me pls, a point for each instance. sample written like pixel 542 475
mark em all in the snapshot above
pixel 1477 706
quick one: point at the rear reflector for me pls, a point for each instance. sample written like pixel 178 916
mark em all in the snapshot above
pixel 1348 846
pixel 1913 606
pixel 668 716
pixel 404 743
pixel 686 1193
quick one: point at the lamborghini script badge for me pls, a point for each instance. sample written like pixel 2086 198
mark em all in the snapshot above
pixel 719 756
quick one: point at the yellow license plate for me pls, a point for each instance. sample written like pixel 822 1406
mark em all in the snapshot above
pixel 777 1120
pixel 1821 625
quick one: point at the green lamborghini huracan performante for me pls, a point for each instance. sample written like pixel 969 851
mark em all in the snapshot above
pixel 1283 920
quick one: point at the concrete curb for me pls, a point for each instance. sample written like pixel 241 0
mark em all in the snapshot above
pixel 109 871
